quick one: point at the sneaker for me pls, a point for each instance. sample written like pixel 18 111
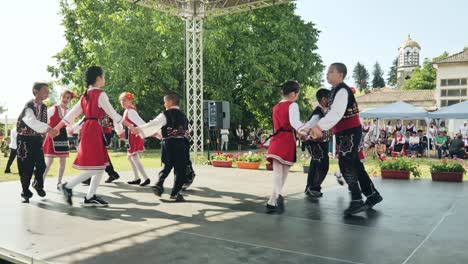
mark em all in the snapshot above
pixel 313 194
pixel 134 182
pixel 67 194
pixel 95 201
pixel 146 182
pixel 356 207
pixel 374 199
pixel 157 190
pixel 177 198
pixel 339 178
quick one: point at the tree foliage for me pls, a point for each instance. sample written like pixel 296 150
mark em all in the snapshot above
pixel 142 51
pixel 392 73
pixel 360 76
pixel 424 78
pixel 377 79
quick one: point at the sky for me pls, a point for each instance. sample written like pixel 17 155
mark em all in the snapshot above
pixel 366 31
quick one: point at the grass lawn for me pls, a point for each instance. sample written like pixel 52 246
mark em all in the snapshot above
pixel 152 159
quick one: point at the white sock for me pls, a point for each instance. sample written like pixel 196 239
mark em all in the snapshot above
pixel 95 180
pixel 277 182
pixel 139 166
pixel 61 170
pixel 134 168
pixel 83 176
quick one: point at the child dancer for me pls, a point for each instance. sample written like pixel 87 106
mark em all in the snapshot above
pixel 173 125
pixel 343 117
pixel 318 149
pixel 135 143
pixel 282 146
pixel 92 155
pixel 32 123
pixel 57 147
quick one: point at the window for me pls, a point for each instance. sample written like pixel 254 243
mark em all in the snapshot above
pixel 443 103
pixel 453 92
pixel 443 93
pixel 463 92
pixel 453 82
pixel 452 102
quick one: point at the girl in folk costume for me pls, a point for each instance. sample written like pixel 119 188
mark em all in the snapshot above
pixel 343 119
pixel 398 145
pixel 58 147
pixel 92 155
pixel 135 143
pixel 31 125
pixel 282 146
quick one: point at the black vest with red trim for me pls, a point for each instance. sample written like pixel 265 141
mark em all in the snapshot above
pixel 176 124
pixel 327 135
pixel 351 115
pixel 41 115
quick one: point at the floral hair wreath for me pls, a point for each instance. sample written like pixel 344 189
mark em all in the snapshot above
pixel 129 96
pixel 73 94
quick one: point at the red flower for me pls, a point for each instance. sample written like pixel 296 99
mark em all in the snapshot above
pixel 129 96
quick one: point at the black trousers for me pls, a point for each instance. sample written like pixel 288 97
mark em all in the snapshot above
pixel 12 157
pixel 319 164
pixel 351 167
pixel 174 156
pixel 31 161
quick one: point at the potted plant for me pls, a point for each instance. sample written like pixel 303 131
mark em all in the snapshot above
pixel 248 160
pixel 399 168
pixel 221 159
pixel 451 171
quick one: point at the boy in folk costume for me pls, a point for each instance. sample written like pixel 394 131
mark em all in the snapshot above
pixel 318 148
pixel 58 147
pixel 343 119
pixel 282 146
pixel 174 126
pixel 92 155
pixel 31 125
pixel 135 144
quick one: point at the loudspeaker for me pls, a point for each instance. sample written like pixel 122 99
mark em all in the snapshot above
pixel 216 114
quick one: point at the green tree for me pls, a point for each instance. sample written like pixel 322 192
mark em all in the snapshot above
pixel 424 78
pixel 378 80
pixel 142 51
pixel 392 73
pixel 360 76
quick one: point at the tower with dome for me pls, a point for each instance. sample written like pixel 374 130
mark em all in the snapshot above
pixel 408 60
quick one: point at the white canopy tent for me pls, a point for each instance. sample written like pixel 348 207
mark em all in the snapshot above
pixel 456 111
pixel 397 110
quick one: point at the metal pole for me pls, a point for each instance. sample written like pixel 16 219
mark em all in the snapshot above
pixel 194 81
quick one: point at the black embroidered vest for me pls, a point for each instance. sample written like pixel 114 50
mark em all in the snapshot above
pixel 40 114
pixel 177 124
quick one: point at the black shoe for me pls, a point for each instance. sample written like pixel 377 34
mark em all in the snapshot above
pixel 157 190
pixel 280 203
pixel 146 182
pixel 26 196
pixel 40 192
pixel 374 199
pixel 313 194
pixel 271 209
pixel 87 182
pixel 134 182
pixel 356 207
pixel 112 177
pixel 95 201
pixel 7 171
pixel 177 198
pixel 67 194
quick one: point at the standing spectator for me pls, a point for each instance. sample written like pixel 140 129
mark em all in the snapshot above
pixel 13 148
pixel 224 139
pixel 431 134
pixel 240 137
pixel 442 127
pixel 389 128
pixel 464 131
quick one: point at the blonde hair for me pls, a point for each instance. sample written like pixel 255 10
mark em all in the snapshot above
pixel 126 96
